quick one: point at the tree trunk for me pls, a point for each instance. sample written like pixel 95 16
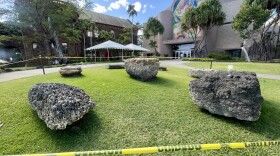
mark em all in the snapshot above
pixel 132 36
pixel 23 44
pixel 132 31
pixel 56 40
pixel 261 50
pixel 156 53
pixel 84 47
pixel 277 42
pixel 57 45
pixel 47 46
pixel 198 49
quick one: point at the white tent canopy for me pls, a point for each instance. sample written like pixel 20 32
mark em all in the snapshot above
pixel 108 45
pixel 136 48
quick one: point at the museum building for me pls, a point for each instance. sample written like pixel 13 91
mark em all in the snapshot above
pixel 174 42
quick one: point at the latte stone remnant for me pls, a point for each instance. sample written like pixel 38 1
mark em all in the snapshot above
pixel 59 105
pixel 143 69
pixel 71 71
pixel 230 94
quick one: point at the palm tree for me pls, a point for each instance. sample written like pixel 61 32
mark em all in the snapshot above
pixel 131 12
pixel 85 25
pixel 153 28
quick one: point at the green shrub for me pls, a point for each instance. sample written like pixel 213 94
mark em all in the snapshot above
pixel 160 58
pixel 219 56
pixel 241 59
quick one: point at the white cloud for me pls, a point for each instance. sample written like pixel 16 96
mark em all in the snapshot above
pixel 81 3
pixel 3 18
pixel 145 8
pixel 105 0
pixel 152 7
pixel 117 4
pixel 99 8
pixel 138 6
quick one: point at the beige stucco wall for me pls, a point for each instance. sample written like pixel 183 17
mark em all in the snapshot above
pixel 165 18
pixel 227 38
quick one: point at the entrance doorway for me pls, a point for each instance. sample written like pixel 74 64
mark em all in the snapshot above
pixel 182 50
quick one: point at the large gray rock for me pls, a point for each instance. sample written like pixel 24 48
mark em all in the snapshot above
pixel 231 94
pixel 59 105
pixel 144 69
pixel 70 71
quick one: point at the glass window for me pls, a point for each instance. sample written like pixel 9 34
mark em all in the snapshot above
pixel 34 45
pixel 65 48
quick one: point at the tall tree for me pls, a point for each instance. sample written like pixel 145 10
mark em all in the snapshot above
pixel 125 37
pixel 105 36
pixel 202 18
pixel 257 21
pixel 153 28
pixel 46 21
pixel 131 12
pixel 140 38
pixel 9 32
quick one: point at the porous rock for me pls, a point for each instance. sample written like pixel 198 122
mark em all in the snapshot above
pixel 230 94
pixel 70 71
pixel 144 69
pixel 59 105
pixel 198 73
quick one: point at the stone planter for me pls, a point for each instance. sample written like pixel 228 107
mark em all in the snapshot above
pixel 143 69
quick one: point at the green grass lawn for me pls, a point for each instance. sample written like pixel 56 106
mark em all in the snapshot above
pixel 260 68
pixel 130 114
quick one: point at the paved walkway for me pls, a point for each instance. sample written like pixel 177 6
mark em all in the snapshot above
pixel 181 64
pixel 172 63
pixel 28 73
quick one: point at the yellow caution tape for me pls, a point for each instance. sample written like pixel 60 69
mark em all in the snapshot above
pixel 151 150
pixel 5 64
pixel 37 58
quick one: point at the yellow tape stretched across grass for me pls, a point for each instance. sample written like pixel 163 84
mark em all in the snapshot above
pixel 150 150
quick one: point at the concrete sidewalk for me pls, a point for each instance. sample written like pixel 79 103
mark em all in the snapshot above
pixel 28 73
pixel 171 63
pixel 181 64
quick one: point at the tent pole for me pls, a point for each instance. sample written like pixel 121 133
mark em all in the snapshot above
pixel 94 56
pixel 91 56
pixel 133 53
pixel 122 54
pixel 108 54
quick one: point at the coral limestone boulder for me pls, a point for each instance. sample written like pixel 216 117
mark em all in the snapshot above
pixel 144 69
pixel 231 94
pixel 59 105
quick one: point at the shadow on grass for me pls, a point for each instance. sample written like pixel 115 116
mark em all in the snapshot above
pixel 159 81
pixel 79 134
pixel 268 124
pixel 74 77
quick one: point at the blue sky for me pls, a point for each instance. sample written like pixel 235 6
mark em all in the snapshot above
pixel 117 8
